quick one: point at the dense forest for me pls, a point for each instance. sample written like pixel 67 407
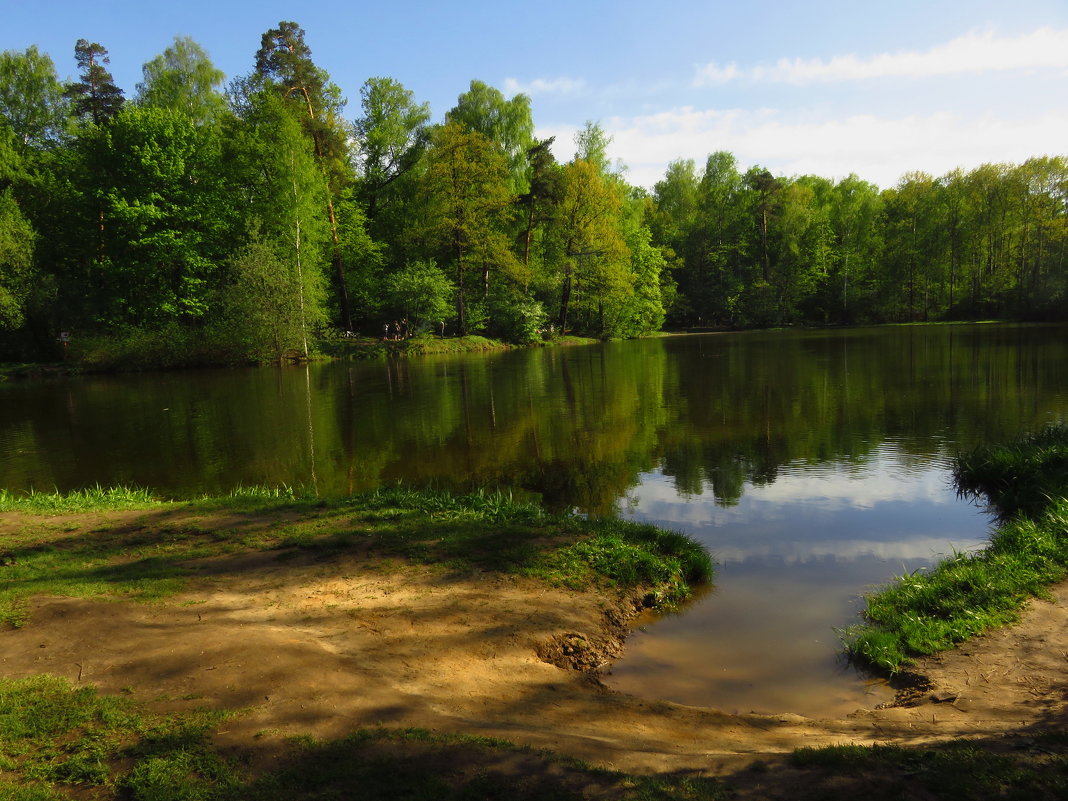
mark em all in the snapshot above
pixel 253 219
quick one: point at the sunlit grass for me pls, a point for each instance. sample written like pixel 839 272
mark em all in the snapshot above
pixel 152 554
pixel 90 499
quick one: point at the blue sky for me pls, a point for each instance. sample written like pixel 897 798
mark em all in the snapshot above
pixel 823 87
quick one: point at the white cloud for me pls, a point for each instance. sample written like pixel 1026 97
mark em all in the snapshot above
pixel 973 53
pixel 914 550
pixel 544 86
pixel 878 149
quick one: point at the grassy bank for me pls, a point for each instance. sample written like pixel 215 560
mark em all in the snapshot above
pixel 136 354
pixel 124 543
pixel 925 612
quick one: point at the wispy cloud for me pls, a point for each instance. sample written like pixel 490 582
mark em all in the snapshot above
pixel 544 86
pixel 877 148
pixel 973 53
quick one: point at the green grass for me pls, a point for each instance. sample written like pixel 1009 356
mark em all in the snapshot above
pixel 371 348
pixel 91 499
pixel 425 344
pixel 146 555
pixel 62 742
pixel 1024 477
pixel 58 741
pixel 929 611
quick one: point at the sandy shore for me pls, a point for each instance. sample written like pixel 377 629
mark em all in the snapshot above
pixel 320 648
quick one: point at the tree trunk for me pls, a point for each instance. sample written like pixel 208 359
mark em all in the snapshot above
pixel 565 298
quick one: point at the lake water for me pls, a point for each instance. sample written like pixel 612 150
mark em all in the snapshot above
pixel 813 465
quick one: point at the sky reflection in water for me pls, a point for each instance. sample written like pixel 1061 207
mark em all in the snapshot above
pixel 793 557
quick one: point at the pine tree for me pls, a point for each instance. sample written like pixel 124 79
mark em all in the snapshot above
pixel 95 97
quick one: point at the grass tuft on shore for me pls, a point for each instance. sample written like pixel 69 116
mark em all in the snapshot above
pixel 967 594
pixel 151 553
pixel 90 499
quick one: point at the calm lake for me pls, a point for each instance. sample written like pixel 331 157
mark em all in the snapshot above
pixel 814 465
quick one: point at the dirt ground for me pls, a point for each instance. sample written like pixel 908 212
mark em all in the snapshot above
pixel 323 647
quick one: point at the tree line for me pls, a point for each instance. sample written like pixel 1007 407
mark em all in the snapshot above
pixel 249 219
pixel 752 249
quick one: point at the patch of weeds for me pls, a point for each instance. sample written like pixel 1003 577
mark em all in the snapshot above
pixel 1020 477
pixel 53 733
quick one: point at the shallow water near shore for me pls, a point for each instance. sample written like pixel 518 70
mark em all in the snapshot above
pixel 813 465
pixel 793 559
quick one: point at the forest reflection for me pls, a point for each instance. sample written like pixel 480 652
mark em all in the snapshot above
pixel 574 426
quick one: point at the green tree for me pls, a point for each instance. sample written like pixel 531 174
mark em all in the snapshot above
pixel 159 185
pixel 506 123
pixel 641 310
pixel 269 307
pixel 589 257
pixel 274 302
pixel 420 292
pixel 1042 267
pixel 540 201
pixel 719 261
pixel 95 97
pixel 183 78
pixel 591 144
pixel 391 137
pixel 803 246
pixel 284 60
pixel 855 217
pixel 702 221
pixel 31 97
pixel 17 275
pixel 469 202
pixel 364 259
pixel 913 228
pixel 675 205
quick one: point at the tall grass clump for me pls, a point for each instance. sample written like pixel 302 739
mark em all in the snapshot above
pixel 1019 478
pixel 921 613
pixel 630 555
pixel 89 499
